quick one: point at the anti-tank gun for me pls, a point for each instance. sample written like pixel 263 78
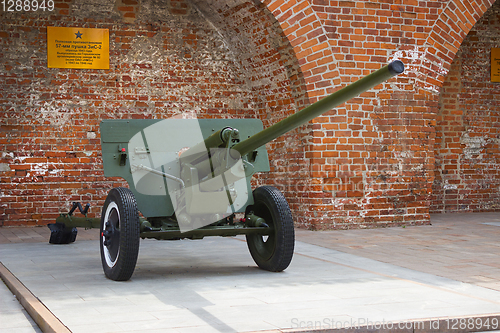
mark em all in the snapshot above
pixel 190 178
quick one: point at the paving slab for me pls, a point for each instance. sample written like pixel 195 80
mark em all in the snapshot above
pixel 13 317
pixel 213 285
pixel 446 270
pixel 462 247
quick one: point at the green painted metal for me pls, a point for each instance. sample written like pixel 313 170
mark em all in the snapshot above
pixel 116 134
pixel 254 220
pixel 173 233
pixel 314 110
pixel 80 222
pixel 225 231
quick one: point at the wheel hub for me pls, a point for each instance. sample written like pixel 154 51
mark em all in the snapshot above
pixel 111 234
pixel 108 234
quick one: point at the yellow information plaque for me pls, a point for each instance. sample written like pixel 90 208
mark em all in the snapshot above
pixel 495 65
pixel 77 48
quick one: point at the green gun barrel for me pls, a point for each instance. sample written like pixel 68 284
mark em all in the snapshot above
pixel 314 110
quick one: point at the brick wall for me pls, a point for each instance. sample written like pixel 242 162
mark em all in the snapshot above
pixel 467 132
pixel 165 60
pixel 367 163
pixel 373 162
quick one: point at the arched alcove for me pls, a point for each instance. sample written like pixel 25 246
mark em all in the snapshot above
pixel 368 163
pixel 467 151
pixel 209 59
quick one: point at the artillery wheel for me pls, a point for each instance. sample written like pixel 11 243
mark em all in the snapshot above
pixel 274 252
pixel 119 234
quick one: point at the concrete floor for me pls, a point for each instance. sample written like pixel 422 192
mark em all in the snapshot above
pixel 463 247
pixel 13 317
pixel 337 279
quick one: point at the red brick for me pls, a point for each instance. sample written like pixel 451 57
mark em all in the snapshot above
pixel 332 43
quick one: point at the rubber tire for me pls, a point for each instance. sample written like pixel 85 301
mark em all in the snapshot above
pixel 121 201
pixel 275 253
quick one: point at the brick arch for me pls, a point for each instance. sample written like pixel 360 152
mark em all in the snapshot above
pixel 308 43
pixel 312 44
pixel 315 42
pixel 305 25
pixel 166 59
pixel 409 103
pixel 466 149
pixel 257 40
pixel 428 64
pixel 455 21
pixel 320 39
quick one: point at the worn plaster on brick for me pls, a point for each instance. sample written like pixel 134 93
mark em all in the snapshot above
pixel 367 163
